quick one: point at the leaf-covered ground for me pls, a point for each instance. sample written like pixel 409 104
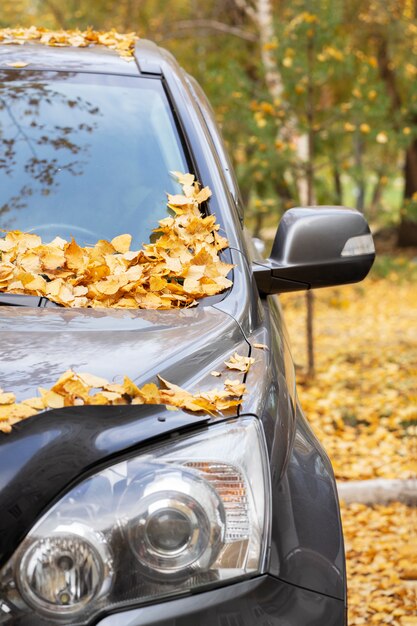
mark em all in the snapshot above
pixel 363 401
pixel 381 551
pixel 363 406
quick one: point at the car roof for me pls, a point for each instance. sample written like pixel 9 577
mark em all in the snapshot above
pixel 96 58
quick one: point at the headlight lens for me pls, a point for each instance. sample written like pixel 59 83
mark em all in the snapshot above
pixel 61 573
pixel 182 515
pixel 180 525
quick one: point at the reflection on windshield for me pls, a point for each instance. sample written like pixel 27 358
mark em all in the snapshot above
pixel 85 156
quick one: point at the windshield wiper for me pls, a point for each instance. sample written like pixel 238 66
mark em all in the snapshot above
pixel 22 299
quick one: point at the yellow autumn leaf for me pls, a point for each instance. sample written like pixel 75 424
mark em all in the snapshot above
pixel 51 399
pixel 123 43
pixel 7 398
pixel 240 363
pixel 52 258
pixel 92 381
pixel 184 179
pixel 74 255
pixel 203 195
pixel 17 64
pixel 35 403
pixel 181 265
pixel 122 243
pixel 130 388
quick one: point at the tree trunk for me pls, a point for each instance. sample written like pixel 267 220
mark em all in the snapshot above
pixel 127 18
pixel 260 12
pixel 338 189
pixel 311 367
pixel 57 12
pixel 407 231
pixel 376 198
pixel 360 181
pixel 378 491
pixel 259 222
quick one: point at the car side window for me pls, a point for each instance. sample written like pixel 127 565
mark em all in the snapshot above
pixel 208 115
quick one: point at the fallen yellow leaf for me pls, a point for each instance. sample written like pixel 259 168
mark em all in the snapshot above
pixel 180 266
pixel 75 389
pixel 240 363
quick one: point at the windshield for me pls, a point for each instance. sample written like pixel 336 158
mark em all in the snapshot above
pixel 85 155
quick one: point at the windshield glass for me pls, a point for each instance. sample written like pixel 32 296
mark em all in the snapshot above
pixel 85 155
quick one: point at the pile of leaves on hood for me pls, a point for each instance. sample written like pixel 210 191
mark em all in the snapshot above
pixel 78 389
pixel 182 264
pixel 124 44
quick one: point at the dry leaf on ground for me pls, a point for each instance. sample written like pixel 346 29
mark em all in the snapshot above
pixel 363 401
pixel 381 552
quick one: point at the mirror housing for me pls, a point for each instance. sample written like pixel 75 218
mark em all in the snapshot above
pixel 316 247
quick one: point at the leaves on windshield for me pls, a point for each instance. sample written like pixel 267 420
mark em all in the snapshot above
pixel 180 266
pixel 79 389
pixel 124 44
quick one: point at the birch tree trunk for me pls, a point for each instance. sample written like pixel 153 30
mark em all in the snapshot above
pixel 261 14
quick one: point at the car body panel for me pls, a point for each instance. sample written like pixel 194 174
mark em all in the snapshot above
pixel 91 59
pixel 307 542
pixel 47 454
pixel 38 345
pixel 263 601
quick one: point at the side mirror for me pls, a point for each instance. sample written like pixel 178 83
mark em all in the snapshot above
pixel 317 247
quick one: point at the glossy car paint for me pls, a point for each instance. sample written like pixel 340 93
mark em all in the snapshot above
pixel 44 455
pixel 264 601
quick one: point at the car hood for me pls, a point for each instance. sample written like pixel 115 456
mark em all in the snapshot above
pixel 46 453
pixel 38 345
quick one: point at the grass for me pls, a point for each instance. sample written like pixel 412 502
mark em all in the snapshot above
pixel 394 268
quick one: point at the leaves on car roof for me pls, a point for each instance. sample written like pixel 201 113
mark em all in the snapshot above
pixel 180 266
pixel 123 43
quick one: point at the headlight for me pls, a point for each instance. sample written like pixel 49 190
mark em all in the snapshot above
pixel 179 516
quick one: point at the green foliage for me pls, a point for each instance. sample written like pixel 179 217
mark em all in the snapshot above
pixel 396 268
pixel 348 72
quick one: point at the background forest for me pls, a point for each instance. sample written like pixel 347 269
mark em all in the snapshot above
pixel 317 99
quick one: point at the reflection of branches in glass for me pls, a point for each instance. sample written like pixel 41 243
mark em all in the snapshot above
pixel 29 126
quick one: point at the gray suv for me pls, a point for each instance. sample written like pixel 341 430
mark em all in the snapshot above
pixel 136 515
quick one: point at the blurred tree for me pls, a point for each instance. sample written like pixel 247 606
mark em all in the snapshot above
pixel 307 90
pixel 387 32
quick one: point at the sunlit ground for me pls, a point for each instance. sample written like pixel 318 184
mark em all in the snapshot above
pixel 381 551
pixel 363 406
pixel 363 400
